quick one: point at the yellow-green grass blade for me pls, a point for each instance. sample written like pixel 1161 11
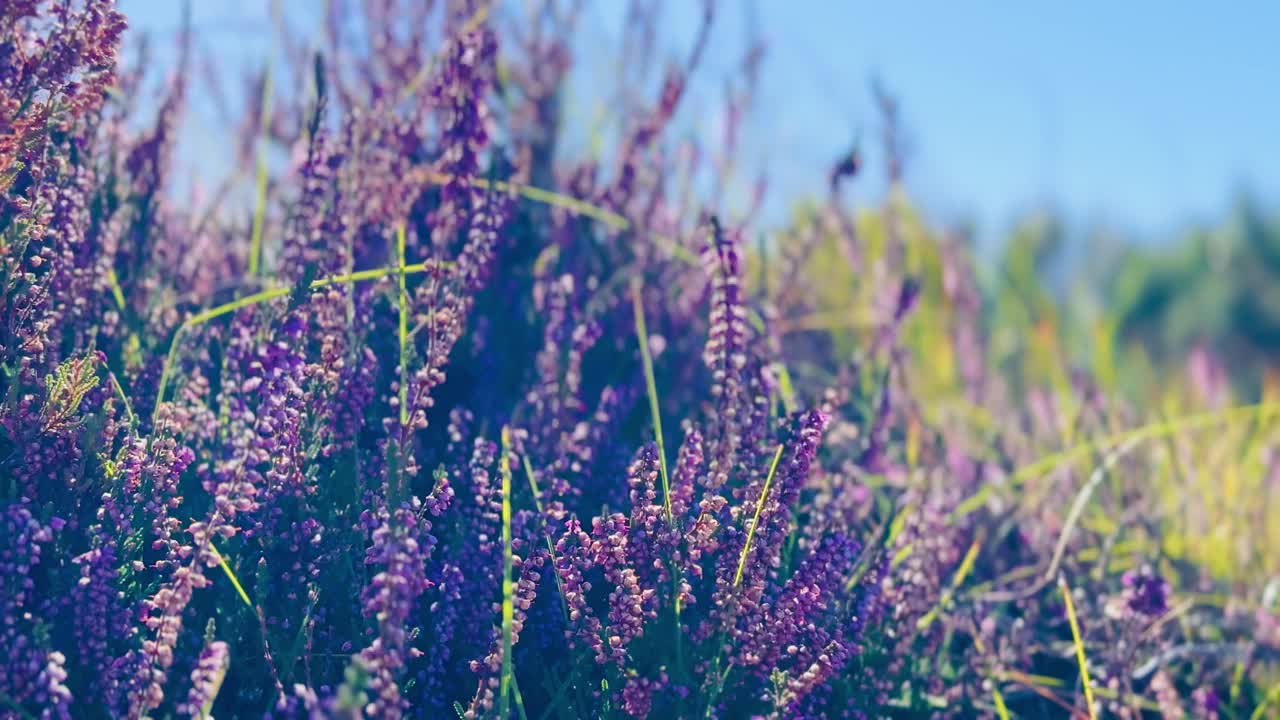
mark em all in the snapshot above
pixel 755 520
pixel 1079 644
pixel 235 582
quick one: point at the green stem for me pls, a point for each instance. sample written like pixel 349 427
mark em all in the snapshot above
pixel 403 307
pixel 260 184
pixel 551 548
pixel 655 413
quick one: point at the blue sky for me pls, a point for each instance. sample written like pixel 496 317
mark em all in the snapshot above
pixel 1141 114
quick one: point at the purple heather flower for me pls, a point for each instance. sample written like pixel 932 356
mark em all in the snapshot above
pixel 629 603
pixel 637 694
pixel 1207 703
pixel 573 560
pixel 461 89
pixel 650 535
pixel 32 676
pixel 725 353
pixel 1146 592
pixel 795 624
pixel 401 545
pixel 489 668
pixel 206 677
pixel 688 470
pixel 101 616
pixel 737 596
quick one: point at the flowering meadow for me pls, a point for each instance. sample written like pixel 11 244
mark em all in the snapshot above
pixel 455 419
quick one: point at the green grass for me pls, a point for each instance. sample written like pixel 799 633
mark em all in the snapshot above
pixel 651 386
pixel 1152 431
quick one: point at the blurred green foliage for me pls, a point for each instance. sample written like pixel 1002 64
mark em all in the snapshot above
pixel 1033 354
pixel 1218 286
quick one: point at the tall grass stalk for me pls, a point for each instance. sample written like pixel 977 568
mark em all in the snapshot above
pixel 1079 645
pixel 755 519
pixel 260 181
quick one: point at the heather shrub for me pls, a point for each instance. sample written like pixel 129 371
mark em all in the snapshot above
pixel 448 422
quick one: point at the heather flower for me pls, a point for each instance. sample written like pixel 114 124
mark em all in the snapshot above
pixel 651 123
pixel 725 353
pixel 629 603
pixel 1146 592
pixel 490 667
pixel 31 676
pixel 688 469
pixel 70 55
pixel 101 617
pixel 637 694
pixel 461 90
pixel 649 534
pixel 206 678
pixel 742 594
pixel 573 560
pixel 401 544
pixel 793 627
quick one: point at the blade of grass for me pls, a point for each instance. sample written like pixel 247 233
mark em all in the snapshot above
pixel 966 566
pixel 551 548
pixel 651 385
pixel 515 690
pixel 1079 643
pixel 582 208
pixel 1032 683
pixel 786 387
pixel 755 520
pixel 902 554
pixel 116 292
pixel 1272 698
pixel 402 438
pixel 557 695
pixel 655 413
pixel 1001 709
pixel 1237 680
pixel 118 389
pixel 402 305
pixel 260 182
pixel 226 568
pixel 1078 505
pixel 885 534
